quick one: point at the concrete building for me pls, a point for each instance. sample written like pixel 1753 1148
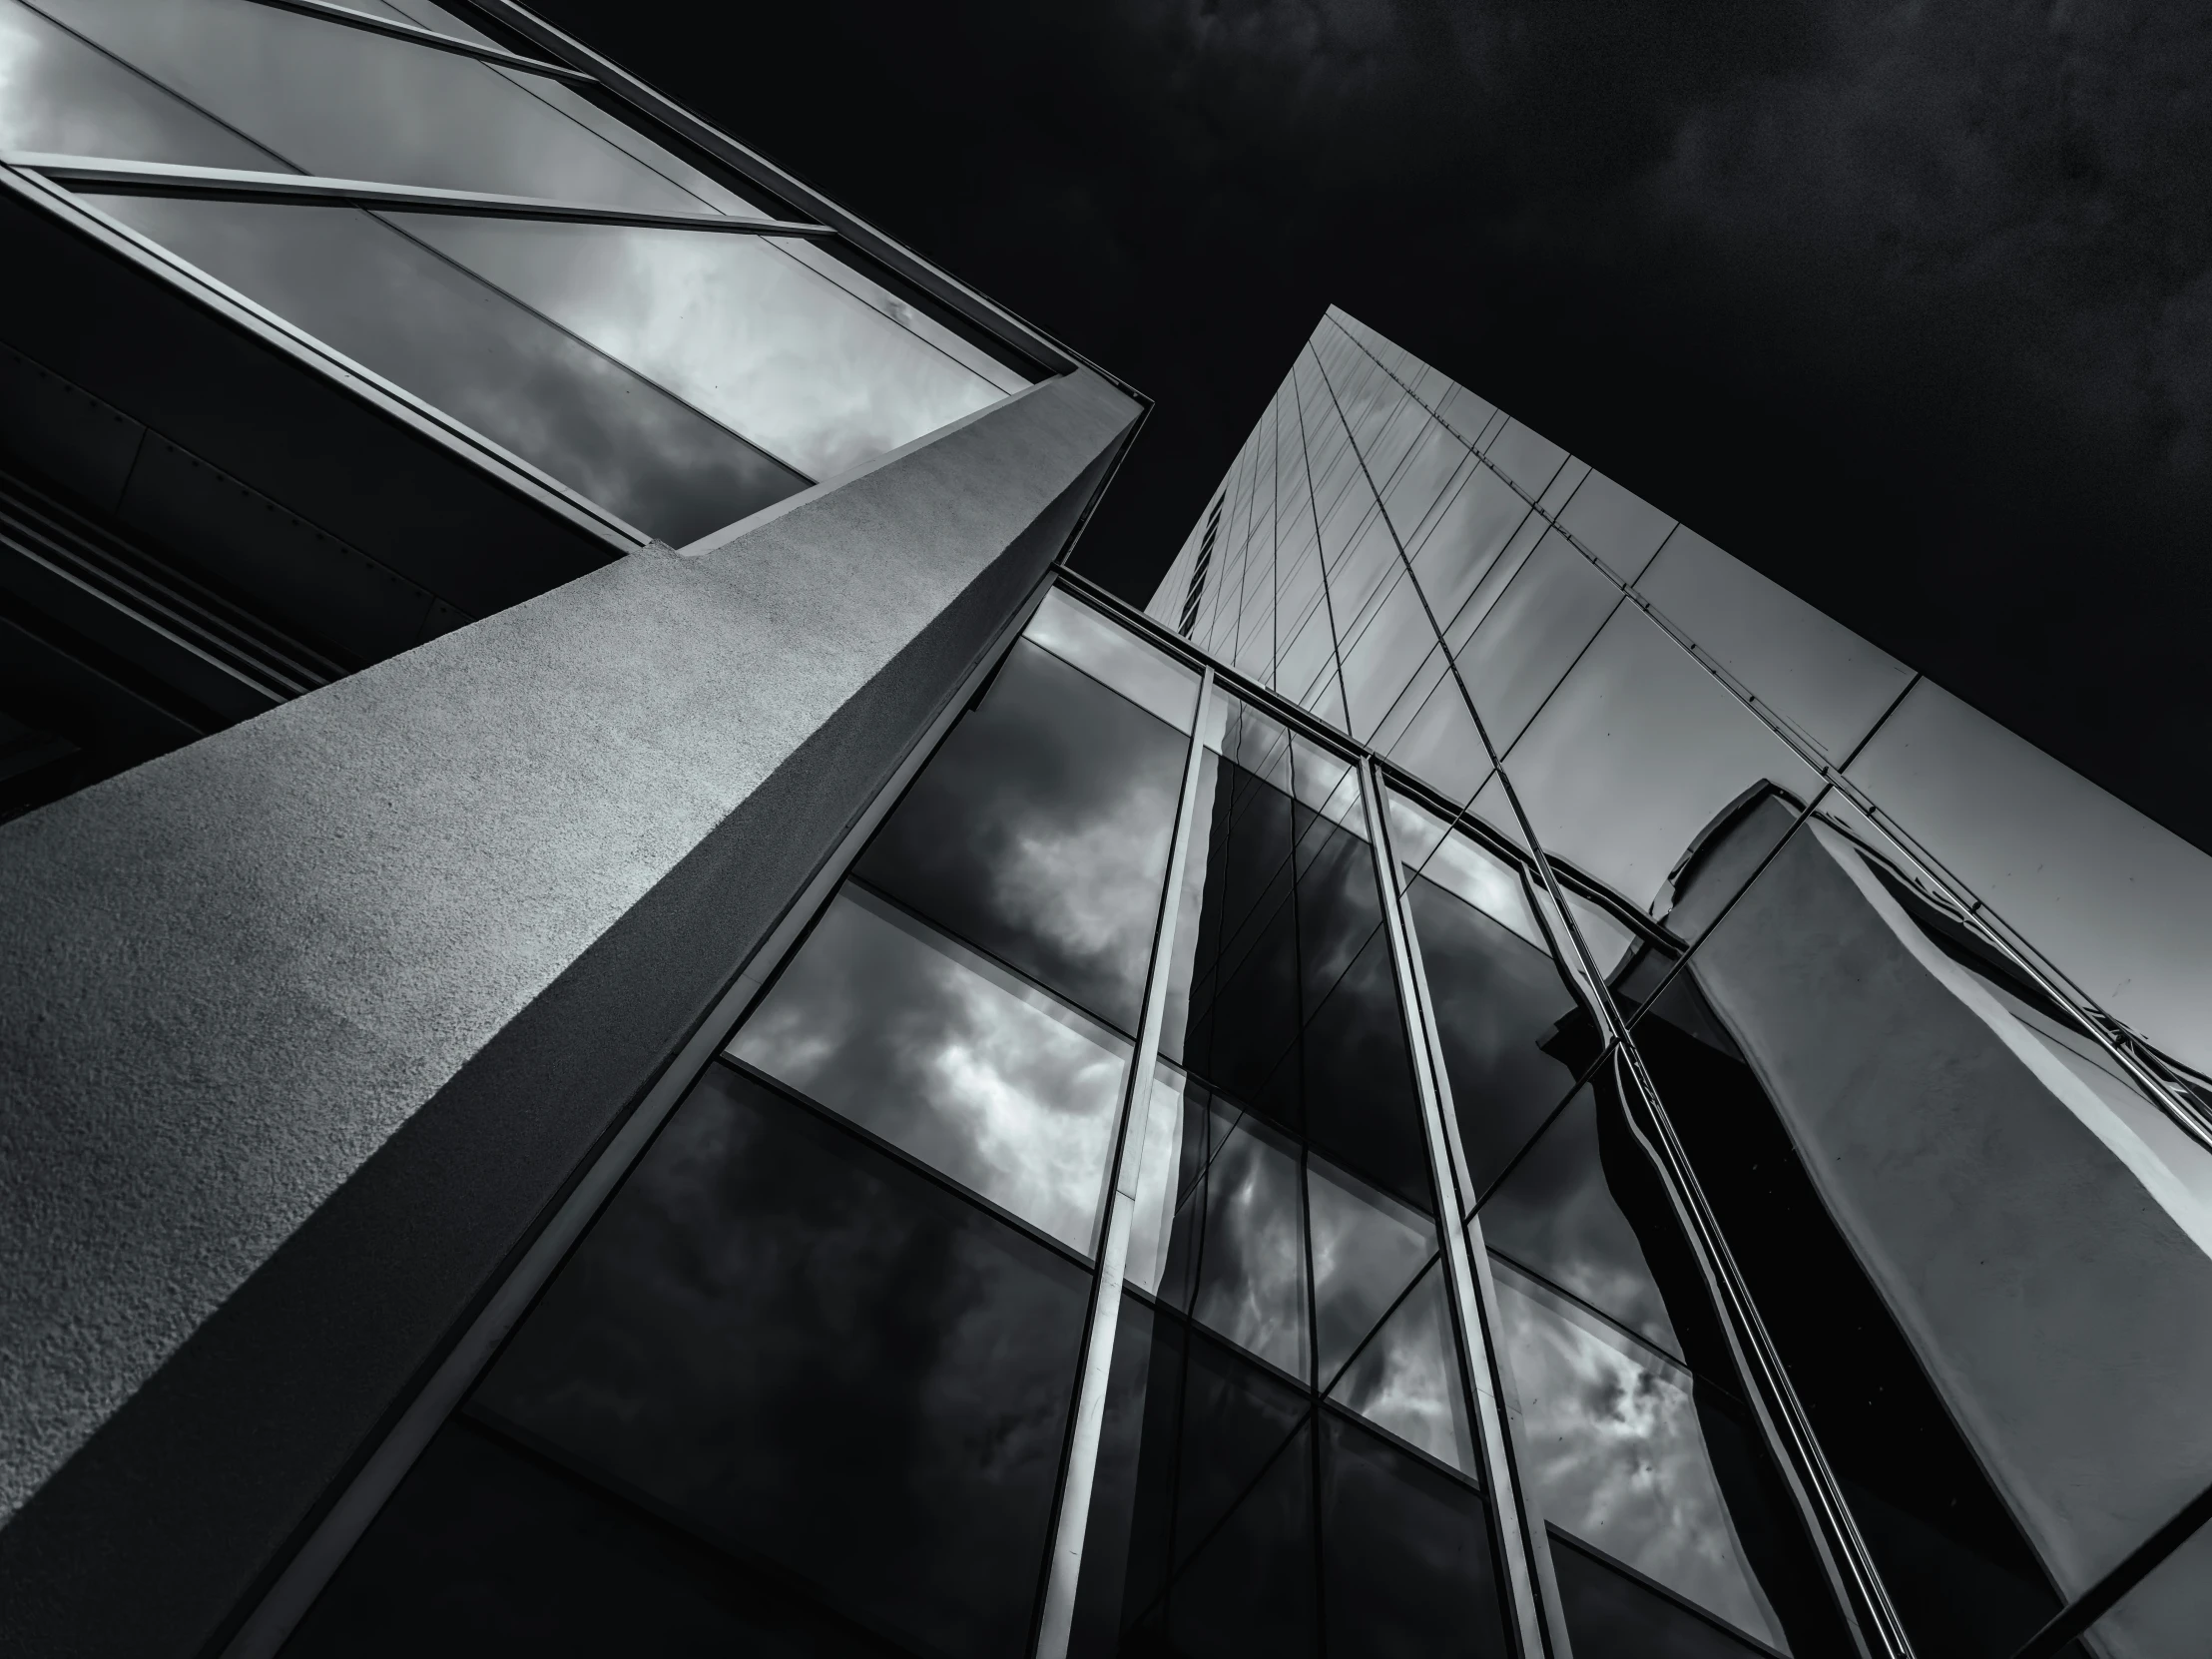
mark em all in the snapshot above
pixel 629 1021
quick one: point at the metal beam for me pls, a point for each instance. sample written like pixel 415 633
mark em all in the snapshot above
pixel 224 183
pixel 368 23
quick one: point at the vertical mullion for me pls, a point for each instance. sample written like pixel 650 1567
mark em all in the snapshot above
pixel 1065 1569
pixel 1473 1296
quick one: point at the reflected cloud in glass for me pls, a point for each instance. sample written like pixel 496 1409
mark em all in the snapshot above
pixel 1110 654
pixel 1616 1455
pixel 1252 1274
pixel 894 1025
pixel 1406 1378
pixel 1366 1248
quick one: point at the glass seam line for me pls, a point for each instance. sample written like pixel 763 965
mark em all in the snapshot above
pixel 1609 1017
pixel 1834 775
pixel 1063 1570
pixel 1321 548
pixel 434 40
pixel 324 1551
pixel 1471 1320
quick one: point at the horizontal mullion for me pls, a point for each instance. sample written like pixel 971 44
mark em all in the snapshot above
pixel 368 23
pixel 220 183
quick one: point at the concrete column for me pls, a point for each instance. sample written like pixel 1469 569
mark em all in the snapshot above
pixel 304 1027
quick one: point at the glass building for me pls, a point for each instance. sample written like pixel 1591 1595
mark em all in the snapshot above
pixel 631 1023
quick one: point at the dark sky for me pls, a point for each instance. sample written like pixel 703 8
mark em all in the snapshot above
pixel 1909 305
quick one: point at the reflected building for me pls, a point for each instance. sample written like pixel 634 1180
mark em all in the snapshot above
pixel 631 1021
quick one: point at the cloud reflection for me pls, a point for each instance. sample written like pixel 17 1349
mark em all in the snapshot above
pixel 1617 1458
pixel 896 1027
pixel 1407 1378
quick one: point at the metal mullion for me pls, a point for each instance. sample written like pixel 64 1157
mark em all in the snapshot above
pixel 1534 1614
pixel 414 34
pixel 1064 1568
pixel 226 183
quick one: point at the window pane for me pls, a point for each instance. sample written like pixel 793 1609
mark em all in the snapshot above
pixel 2166 1616
pixel 1251 1587
pixel 1528 458
pixel 1622 1456
pixel 807 1354
pixel 346 104
pixel 1507 1018
pixel 401 311
pixel 2020 1245
pixel 65 98
pixel 1544 618
pixel 1439 743
pixel 894 1025
pixel 1379 663
pixel 1040 833
pixel 1816 673
pixel 733 324
pixel 1367 1248
pixel 1406 1378
pixel 1637 753
pixel 1620 528
pixel 1407 1566
pixel 1252 1274
pixel 1110 654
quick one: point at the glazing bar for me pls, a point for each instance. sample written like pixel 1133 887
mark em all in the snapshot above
pixel 222 183
pixel 1473 1308
pixel 368 23
pixel 1065 1571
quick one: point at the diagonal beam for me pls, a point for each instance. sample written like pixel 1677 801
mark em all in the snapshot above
pixel 222 183
pixel 368 23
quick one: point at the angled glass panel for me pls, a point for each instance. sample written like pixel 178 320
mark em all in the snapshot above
pixel 1383 659
pixel 346 104
pixel 1637 755
pixel 1251 1270
pixel 1113 656
pixel 1816 673
pixel 1405 1378
pixel 1413 492
pixel 1468 416
pixel 1528 458
pixel 1565 484
pixel 1438 742
pixel 1167 1144
pixel 1367 1248
pixel 1363 575
pixel 1628 1455
pixel 1359 1101
pixel 1514 1034
pixel 398 309
pixel 1485 590
pixel 1544 619
pixel 1415 834
pixel 1040 832
pixel 887 1022
pixel 66 98
pixel 770 345
pixel 1619 527
pixel 1463 539
pixel 811 1356
pixel 1893 1131
pixel 1615 1613
pixel 1434 667
pixel 2118 904
pixel 1407 1566
pixel 2166 1616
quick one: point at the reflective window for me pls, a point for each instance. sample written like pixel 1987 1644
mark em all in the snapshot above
pixel 1816 673
pixel 1384 658
pixel 1620 528
pixel 1040 832
pixel 2166 1616
pixel 804 1353
pixel 1113 656
pixel 1528 458
pixel 1636 754
pixel 1463 539
pixel 754 364
pixel 890 1023
pixel 398 309
pixel 1544 619
pixel 1641 1464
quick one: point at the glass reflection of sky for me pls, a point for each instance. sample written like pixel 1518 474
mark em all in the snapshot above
pixel 1615 1456
pixel 1366 1248
pixel 1406 1378
pixel 762 342
pixel 1252 1276
pixel 803 357
pixel 1110 654
pixel 892 1024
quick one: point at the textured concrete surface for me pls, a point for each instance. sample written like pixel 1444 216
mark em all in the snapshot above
pixel 2051 1276
pixel 229 976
